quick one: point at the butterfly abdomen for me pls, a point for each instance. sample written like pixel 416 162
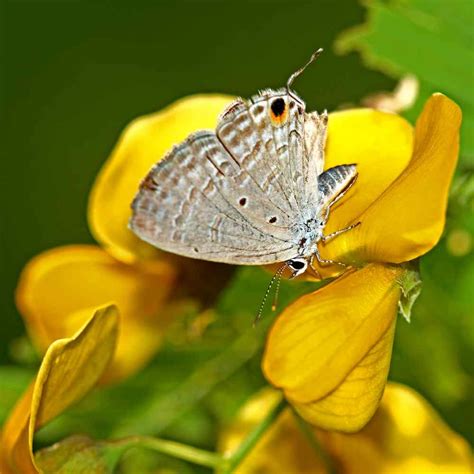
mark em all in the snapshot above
pixel 334 181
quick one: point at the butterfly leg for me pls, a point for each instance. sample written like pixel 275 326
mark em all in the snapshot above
pixel 328 208
pixel 315 270
pixel 324 261
pixel 327 238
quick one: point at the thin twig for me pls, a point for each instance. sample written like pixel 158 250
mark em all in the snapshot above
pixel 315 444
pixel 177 450
pixel 252 439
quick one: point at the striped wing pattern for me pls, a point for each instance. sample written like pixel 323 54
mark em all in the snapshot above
pixel 234 195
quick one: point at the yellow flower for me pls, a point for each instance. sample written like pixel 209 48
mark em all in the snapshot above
pixel 330 351
pixel 70 369
pixel 405 436
pixel 59 288
pixel 400 198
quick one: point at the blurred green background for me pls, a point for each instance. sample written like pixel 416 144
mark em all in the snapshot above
pixel 74 73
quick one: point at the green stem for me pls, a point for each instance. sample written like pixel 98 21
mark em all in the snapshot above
pixel 315 444
pixel 178 450
pixel 201 456
pixel 248 444
pixel 159 413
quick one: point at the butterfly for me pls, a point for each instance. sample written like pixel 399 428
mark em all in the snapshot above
pixel 251 192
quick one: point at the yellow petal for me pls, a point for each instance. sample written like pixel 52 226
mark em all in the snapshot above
pixel 282 449
pixel 405 435
pixel 353 403
pixel 407 220
pixel 70 368
pixel 381 145
pixel 15 454
pixel 318 342
pixel 58 289
pixel 144 142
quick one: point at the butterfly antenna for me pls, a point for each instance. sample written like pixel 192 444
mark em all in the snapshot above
pixel 297 73
pixel 276 276
pixel 277 290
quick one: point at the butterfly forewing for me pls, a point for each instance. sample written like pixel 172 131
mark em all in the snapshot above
pixel 247 135
pixel 188 205
pixel 238 194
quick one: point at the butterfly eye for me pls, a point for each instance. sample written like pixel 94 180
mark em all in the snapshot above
pixel 297 264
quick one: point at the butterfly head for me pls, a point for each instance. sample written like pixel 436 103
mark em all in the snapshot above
pixel 297 265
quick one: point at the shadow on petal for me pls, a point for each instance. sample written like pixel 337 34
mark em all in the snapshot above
pixel 143 143
pixel 70 368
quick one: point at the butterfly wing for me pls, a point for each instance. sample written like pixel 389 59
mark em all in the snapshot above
pixel 315 132
pixel 282 145
pixel 200 203
pixel 237 194
pixel 258 140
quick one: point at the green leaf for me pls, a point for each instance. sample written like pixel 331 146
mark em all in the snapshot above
pixel 410 284
pixel 432 40
pixel 434 353
pixel 80 455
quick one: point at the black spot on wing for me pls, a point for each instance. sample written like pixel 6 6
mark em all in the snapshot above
pixel 278 107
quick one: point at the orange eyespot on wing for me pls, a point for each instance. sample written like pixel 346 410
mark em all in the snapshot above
pixel 278 111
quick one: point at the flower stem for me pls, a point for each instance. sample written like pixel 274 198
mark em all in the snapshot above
pixel 249 443
pixel 201 456
pixel 315 444
pixel 159 413
pixel 178 450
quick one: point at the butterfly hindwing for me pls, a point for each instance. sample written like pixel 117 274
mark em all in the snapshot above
pixel 247 135
pixel 189 204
